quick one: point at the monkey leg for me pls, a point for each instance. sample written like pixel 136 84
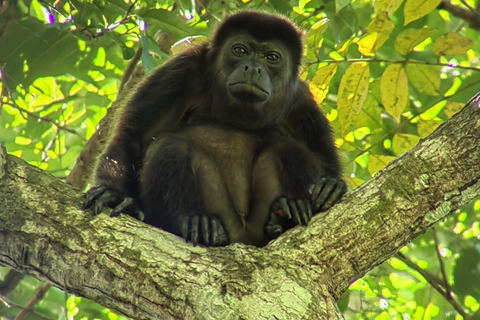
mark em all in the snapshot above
pixel 182 191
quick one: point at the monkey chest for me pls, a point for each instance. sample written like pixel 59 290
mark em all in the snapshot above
pixel 232 152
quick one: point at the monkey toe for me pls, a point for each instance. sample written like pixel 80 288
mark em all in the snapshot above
pixel 205 230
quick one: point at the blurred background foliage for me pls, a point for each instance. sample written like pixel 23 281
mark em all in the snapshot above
pixel 386 73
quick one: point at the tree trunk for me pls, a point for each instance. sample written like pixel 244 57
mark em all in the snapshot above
pixel 147 273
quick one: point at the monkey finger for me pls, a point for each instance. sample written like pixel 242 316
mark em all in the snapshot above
pixel 302 208
pixel 285 207
pixel 294 210
pixel 316 188
pixel 309 209
pixel 335 195
pixel 205 223
pixel 92 195
pixel 185 228
pixel 122 207
pixel 322 198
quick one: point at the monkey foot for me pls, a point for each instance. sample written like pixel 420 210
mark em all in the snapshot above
pixel 204 229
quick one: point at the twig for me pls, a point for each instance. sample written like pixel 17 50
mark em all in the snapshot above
pixel 431 280
pixel 406 61
pixel 10 304
pixel 442 265
pixel 470 15
pixel 35 300
pixel 33 115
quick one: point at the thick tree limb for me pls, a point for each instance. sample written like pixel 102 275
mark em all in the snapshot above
pixel 147 273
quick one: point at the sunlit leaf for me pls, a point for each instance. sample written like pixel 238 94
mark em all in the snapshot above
pixel 451 43
pixel 415 9
pixel 314 38
pixel 321 81
pixel 390 6
pixel 452 107
pixel 394 90
pixel 409 38
pixel 378 162
pixel 424 78
pixel 403 142
pixel 352 93
pixel 378 32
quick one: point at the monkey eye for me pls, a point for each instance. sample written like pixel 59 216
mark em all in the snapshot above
pixel 239 50
pixel 272 57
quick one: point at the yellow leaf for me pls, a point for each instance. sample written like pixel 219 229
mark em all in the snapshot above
pixel 451 43
pixel 409 38
pixel 424 78
pixel 415 9
pixel 390 6
pixel 352 93
pixel 321 81
pixel 377 162
pixel 403 142
pixel 394 90
pixel 425 127
pixel 378 32
pixel 453 107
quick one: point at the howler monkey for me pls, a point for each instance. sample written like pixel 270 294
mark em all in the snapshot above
pixel 224 143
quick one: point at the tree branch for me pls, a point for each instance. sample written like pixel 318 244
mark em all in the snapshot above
pixel 147 273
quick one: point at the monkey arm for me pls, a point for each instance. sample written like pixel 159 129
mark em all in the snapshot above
pixel 158 105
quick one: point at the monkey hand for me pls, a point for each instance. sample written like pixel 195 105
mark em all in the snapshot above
pixel 326 192
pixel 204 229
pixel 102 196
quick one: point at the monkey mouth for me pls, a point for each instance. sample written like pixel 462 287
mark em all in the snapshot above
pixel 248 91
pixel 248 85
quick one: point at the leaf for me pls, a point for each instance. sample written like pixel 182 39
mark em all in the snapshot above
pixel 451 43
pixel 409 38
pixel 378 162
pixel 452 107
pixel 394 90
pixel 390 6
pixel 314 38
pixel 378 32
pixel 340 4
pixel 170 22
pixel 467 277
pixel 352 93
pixel 424 78
pixel 415 9
pixel 321 81
pixel 403 142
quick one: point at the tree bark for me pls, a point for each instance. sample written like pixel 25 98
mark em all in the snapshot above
pixel 147 273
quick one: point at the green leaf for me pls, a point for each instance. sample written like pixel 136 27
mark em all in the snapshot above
pixel 340 4
pixel 394 90
pixel 451 43
pixel 169 22
pixel 321 81
pixel 314 38
pixel 403 142
pixel 467 277
pixel 415 9
pixel 424 78
pixel 409 38
pixel 378 33
pixel 352 93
